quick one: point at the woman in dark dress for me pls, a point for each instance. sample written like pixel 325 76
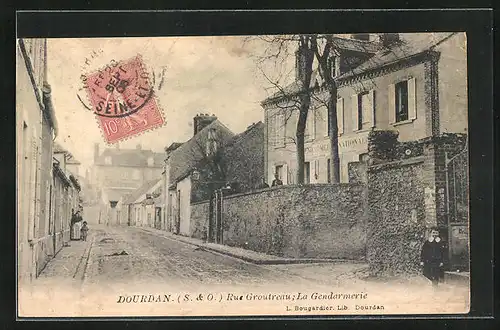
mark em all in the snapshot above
pixel 431 257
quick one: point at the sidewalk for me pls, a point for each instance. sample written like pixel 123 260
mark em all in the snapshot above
pixel 243 254
pixel 69 263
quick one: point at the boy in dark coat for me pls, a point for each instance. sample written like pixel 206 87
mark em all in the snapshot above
pixel 431 257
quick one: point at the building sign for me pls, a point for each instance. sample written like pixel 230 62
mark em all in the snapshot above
pixel 357 143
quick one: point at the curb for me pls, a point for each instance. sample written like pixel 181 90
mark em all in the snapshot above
pixel 88 260
pixel 283 261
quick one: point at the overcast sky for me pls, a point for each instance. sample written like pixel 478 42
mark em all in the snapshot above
pixel 202 75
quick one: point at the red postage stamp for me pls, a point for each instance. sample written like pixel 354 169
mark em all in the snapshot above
pixel 122 99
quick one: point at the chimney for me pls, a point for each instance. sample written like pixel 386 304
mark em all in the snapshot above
pixel 138 147
pixel 361 36
pixel 201 121
pixel 388 39
pixel 96 151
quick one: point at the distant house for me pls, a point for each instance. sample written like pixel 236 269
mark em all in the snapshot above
pixel 209 137
pixel 138 208
pixel 118 172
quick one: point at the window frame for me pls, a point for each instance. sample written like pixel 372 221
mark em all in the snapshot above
pixel 399 115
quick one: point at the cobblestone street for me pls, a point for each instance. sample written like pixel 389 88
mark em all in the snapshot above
pixel 118 263
pixel 132 255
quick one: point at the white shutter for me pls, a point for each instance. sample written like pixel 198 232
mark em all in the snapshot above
pixel 412 100
pixel 284 176
pixel 392 103
pixel 340 115
pixel 326 118
pixel 354 112
pixel 372 108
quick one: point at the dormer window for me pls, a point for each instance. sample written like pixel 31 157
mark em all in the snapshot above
pixel 107 160
pixel 151 161
pixel 332 66
pixel 211 142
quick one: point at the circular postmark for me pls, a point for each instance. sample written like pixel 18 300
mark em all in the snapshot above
pixel 119 89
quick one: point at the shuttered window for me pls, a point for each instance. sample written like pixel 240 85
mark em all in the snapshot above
pixel 402 101
pixel 363 110
pixel 340 115
pixel 310 131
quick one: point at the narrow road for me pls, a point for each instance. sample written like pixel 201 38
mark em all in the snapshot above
pixel 129 255
pixel 131 271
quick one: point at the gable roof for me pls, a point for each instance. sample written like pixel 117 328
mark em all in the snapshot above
pixel 133 196
pixel 342 44
pixel 186 157
pixel 239 137
pixel 70 159
pixel 130 157
pixel 407 47
pixel 58 148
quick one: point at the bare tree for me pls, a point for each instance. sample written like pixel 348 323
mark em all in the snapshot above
pixel 320 50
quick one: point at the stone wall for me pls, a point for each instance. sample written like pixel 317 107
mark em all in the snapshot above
pixel 396 217
pixel 406 196
pixel 199 219
pixel 307 221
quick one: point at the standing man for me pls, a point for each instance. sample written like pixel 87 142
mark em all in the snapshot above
pixel 432 256
pixel 276 181
pixel 263 184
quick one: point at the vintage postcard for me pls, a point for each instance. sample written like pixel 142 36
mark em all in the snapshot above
pixel 254 175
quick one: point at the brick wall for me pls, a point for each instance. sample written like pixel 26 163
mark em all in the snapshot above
pixel 310 221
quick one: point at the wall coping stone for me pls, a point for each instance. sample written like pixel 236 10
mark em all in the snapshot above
pixel 397 163
pixel 288 186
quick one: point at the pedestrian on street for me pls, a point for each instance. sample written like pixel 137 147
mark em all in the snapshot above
pixel 84 231
pixel 276 181
pixel 76 219
pixel 263 184
pixel 431 257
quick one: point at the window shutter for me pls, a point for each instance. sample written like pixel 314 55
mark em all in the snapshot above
pixel 354 112
pixel 285 174
pixel 311 122
pixel 340 115
pixel 372 108
pixel 392 103
pixel 412 100
pixel 325 118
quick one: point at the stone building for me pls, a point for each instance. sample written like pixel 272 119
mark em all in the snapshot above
pixel 209 136
pixel 117 172
pixel 36 128
pixel 415 84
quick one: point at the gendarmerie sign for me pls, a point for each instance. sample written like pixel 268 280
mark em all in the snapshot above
pixel 357 143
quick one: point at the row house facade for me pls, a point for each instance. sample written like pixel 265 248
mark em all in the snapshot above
pixel 65 197
pixel 415 84
pixel 46 191
pixel 35 131
pixel 141 208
